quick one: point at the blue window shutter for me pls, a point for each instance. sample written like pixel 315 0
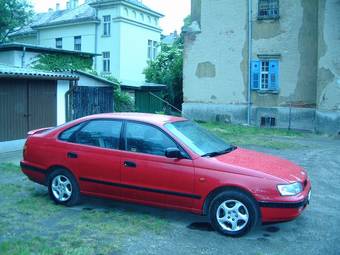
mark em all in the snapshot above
pixel 255 75
pixel 273 75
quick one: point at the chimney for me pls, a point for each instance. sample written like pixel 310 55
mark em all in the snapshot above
pixel 68 5
pixel 73 4
pixel 57 6
pixel 50 9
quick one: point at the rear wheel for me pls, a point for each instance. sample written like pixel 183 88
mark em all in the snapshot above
pixel 63 188
pixel 233 213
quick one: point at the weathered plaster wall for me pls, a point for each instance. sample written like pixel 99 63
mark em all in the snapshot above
pixel 294 38
pixel 328 86
pixel 213 57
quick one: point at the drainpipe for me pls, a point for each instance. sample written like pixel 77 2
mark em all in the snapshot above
pixel 96 41
pixel 23 57
pixel 250 52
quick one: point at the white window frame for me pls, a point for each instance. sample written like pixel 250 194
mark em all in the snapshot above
pixel 152 49
pixel 77 43
pixel 264 75
pixel 106 62
pixel 107 25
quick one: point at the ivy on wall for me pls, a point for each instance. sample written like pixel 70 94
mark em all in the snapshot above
pixel 52 62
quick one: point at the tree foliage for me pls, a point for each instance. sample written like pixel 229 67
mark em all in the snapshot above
pixel 13 14
pixel 51 62
pixel 167 69
pixel 123 101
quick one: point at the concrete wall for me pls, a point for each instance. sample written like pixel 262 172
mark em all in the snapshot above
pixel 328 89
pixel 213 60
pixel 62 88
pixel 47 36
pixel 305 40
pixel 294 38
pixel 17 58
pixel 134 50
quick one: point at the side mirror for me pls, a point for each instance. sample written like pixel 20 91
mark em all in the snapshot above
pixel 173 153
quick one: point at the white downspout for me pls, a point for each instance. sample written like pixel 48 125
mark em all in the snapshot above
pixel 250 52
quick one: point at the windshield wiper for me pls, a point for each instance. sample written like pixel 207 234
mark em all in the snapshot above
pixel 217 153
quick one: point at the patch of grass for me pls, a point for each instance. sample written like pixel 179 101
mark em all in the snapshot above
pixel 30 223
pixel 9 168
pixel 265 137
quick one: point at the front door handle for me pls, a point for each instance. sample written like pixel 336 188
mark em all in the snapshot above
pixel 72 155
pixel 130 164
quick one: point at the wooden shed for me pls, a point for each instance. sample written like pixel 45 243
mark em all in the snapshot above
pixel 29 100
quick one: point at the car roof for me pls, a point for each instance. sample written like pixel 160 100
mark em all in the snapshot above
pixel 157 119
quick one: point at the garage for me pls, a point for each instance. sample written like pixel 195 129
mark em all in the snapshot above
pixel 28 100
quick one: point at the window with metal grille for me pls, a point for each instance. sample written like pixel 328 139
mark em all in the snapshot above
pixel 59 43
pixel 77 43
pixel 268 122
pixel 268 9
pixel 106 62
pixel 107 25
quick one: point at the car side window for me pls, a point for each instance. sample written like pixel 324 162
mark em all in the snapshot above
pixel 99 133
pixel 147 139
pixel 67 134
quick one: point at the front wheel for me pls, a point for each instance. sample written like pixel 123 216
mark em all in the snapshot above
pixel 233 213
pixel 63 188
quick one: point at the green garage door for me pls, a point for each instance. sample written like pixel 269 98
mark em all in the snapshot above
pixel 147 103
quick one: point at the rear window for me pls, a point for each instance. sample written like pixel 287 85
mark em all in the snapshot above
pixel 98 133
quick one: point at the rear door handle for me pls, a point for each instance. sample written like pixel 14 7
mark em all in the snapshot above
pixel 72 155
pixel 130 164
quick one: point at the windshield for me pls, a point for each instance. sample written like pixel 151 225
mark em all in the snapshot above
pixel 198 139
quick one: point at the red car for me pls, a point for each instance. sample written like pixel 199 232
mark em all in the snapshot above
pixel 168 162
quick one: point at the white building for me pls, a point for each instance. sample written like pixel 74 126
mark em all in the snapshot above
pixel 124 32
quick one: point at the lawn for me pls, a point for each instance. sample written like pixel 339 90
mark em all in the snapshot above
pixel 264 137
pixel 30 223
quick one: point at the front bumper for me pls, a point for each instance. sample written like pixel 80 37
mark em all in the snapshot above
pixel 283 211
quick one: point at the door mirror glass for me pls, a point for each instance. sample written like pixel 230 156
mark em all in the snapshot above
pixel 173 153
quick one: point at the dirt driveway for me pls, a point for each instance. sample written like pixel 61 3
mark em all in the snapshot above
pixel 30 223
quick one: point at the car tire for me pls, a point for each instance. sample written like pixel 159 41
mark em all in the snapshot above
pixel 63 188
pixel 233 213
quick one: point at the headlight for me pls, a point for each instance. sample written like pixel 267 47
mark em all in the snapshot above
pixel 290 189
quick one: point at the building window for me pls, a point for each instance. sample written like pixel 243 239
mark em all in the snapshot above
pixel 59 43
pixel 107 25
pixel 268 9
pixel 265 75
pixel 77 43
pixel 152 49
pixel 106 62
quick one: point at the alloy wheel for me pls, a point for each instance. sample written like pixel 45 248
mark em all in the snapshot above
pixel 232 215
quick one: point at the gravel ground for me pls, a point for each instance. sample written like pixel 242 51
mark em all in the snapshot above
pixel 316 231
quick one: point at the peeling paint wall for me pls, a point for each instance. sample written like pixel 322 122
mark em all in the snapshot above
pixel 305 40
pixel 213 57
pixel 328 85
pixel 294 38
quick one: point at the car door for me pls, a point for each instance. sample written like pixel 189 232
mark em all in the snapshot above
pixel 148 175
pixel 92 150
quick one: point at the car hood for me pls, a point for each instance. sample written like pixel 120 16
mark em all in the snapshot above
pixel 267 164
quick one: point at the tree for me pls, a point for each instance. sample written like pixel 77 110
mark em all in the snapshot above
pixel 167 69
pixel 13 14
